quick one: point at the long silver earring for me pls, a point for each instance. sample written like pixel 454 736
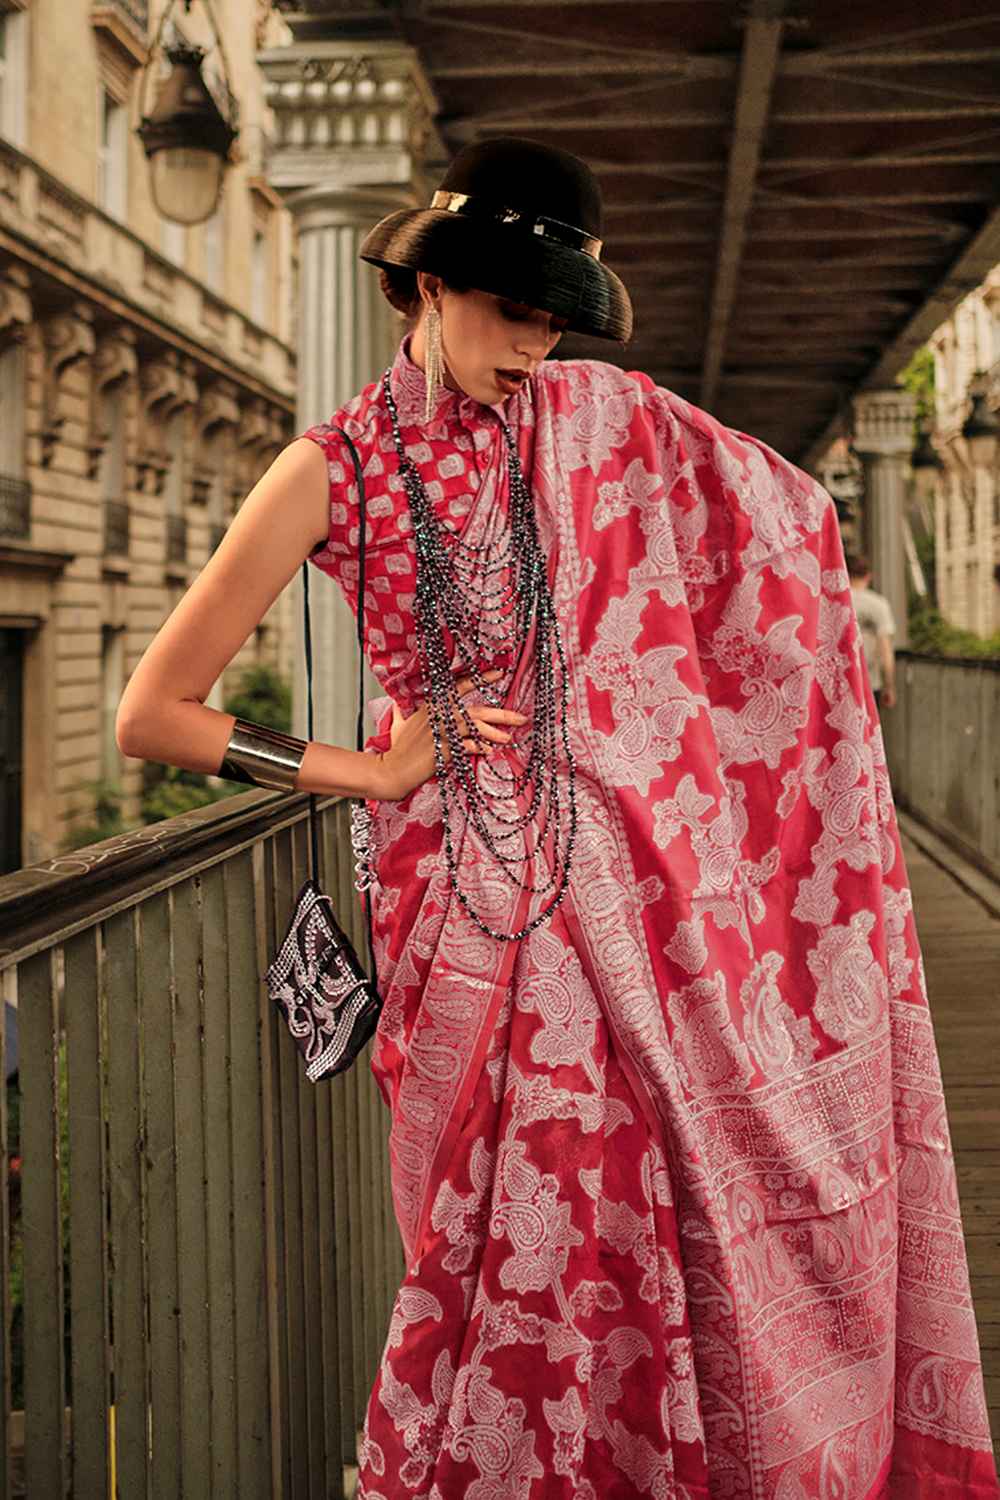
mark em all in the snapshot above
pixel 434 372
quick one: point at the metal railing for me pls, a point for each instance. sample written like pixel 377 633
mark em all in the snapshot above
pixel 116 528
pixel 943 747
pixel 204 1239
pixel 176 539
pixel 15 506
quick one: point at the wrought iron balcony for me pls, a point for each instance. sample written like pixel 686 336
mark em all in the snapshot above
pixel 116 528
pixel 176 539
pixel 15 506
pixel 215 535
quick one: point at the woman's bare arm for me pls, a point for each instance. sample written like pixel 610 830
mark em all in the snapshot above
pixel 162 715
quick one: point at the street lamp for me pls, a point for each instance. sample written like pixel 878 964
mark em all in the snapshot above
pixel 981 428
pixel 187 138
pixel 926 464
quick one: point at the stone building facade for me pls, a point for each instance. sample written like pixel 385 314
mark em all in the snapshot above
pixel 147 378
pixel 353 139
pixel 966 488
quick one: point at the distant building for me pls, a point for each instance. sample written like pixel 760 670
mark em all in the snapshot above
pixel 147 378
pixel 967 489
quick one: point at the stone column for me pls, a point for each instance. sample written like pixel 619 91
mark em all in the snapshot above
pixel 352 130
pixel 883 440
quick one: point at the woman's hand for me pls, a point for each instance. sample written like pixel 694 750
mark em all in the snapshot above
pixel 409 761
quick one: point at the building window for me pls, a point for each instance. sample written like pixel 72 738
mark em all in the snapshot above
pixel 15 491
pixel 971 585
pixel 173 491
pixel 12 383
pixel 112 146
pixel 112 473
pixel 259 278
pixel 112 687
pixel 212 248
pixel 13 68
pixel 969 499
pixel 172 241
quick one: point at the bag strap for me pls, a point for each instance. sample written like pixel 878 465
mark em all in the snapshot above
pixel 360 731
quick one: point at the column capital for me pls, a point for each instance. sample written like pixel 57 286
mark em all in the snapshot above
pixel 350 116
pixel 883 423
pixel 324 205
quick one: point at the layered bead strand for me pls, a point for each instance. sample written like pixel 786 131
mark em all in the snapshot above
pixel 476 599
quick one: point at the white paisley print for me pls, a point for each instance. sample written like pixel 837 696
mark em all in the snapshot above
pixel 672 1174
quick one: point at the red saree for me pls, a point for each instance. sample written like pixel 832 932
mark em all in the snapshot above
pixel 672 1174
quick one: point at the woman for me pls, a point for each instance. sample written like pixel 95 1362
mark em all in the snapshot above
pixel 669 1150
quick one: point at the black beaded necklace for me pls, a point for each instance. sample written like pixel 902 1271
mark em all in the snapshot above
pixel 473 598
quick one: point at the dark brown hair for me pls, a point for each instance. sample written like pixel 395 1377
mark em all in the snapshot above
pixel 399 287
pixel 858 565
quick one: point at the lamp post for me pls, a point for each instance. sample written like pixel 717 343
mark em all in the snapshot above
pixel 186 137
pixel 981 439
pixel 981 428
pixel 926 465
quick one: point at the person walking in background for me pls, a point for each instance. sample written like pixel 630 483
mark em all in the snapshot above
pixel 877 626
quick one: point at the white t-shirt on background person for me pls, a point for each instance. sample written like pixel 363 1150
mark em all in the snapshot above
pixel 874 619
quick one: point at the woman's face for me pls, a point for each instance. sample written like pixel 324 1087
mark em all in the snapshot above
pixel 491 346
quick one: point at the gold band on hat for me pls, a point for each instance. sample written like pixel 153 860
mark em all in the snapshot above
pixel 550 229
pixel 260 756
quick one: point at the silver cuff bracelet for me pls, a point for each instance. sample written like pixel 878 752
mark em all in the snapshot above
pixel 261 756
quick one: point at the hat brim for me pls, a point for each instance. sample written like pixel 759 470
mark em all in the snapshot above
pixel 530 269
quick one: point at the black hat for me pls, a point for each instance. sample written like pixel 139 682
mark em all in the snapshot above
pixel 520 220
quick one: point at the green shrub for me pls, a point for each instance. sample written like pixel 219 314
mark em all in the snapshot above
pixel 918 379
pixel 177 791
pixel 931 634
pixel 104 822
pixel 263 696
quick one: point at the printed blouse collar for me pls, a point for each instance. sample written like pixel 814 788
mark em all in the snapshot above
pixel 409 390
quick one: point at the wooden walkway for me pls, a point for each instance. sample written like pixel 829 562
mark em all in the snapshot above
pixel 961 945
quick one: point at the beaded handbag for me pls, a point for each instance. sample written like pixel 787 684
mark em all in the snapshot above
pixel 317 980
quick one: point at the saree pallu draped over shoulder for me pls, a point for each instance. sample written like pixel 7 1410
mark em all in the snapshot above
pixel 672 1173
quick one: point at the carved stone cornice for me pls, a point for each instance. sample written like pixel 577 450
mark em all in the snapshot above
pixel 217 415
pixel 254 423
pixel 263 427
pixel 15 305
pixel 67 338
pixel 120 38
pixel 217 407
pixel 349 115
pixel 263 431
pixel 166 384
pixel 114 361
